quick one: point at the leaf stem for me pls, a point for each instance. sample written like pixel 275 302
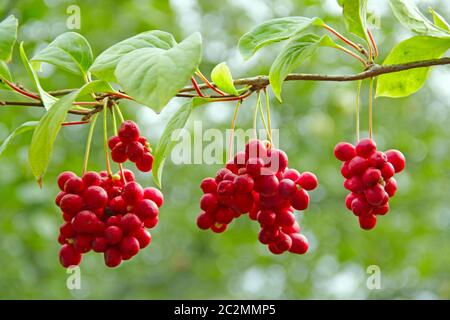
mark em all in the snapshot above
pixel 209 84
pixel 105 136
pixel 255 116
pixel 372 41
pixel 347 41
pixel 74 123
pixel 116 106
pixel 268 113
pixel 351 53
pixel 358 94
pixel 371 108
pixel 21 91
pixel 195 84
pixel 89 142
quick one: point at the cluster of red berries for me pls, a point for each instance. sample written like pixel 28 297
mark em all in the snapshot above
pixel 130 145
pixel 257 181
pixel 105 214
pixel 369 177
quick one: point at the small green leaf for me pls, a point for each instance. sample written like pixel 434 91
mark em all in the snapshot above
pixel 4 74
pixel 70 51
pixel 292 56
pixel 153 76
pixel 24 127
pixel 105 64
pixel 45 134
pixel 170 135
pixel 272 31
pixel 404 83
pixel 46 98
pixel 410 16
pixel 8 36
pixel 222 78
pixel 439 20
pixel 355 17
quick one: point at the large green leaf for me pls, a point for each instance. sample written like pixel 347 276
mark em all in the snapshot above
pixel 46 98
pixel 404 83
pixel 4 74
pixel 272 31
pixel 45 134
pixel 292 56
pixel 153 76
pixel 223 79
pixel 410 16
pixel 439 20
pixel 24 127
pixel 70 51
pixel 105 64
pixel 170 135
pixel 8 36
pixel 355 17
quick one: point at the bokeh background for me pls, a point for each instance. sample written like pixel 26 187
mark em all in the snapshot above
pixel 410 244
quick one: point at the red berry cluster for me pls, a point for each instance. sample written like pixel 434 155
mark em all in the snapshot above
pixel 259 182
pixel 105 214
pixel 130 145
pixel 369 177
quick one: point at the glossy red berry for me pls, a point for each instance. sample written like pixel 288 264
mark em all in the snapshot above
pixel 117 205
pixel 391 187
pixel 63 177
pixel 68 256
pixel 129 246
pixel 130 222
pixel 129 131
pixel 278 160
pixel 360 206
pixel 377 159
pixel 134 151
pixel 354 184
pixel 145 163
pixel 365 147
pixel 283 242
pixel 113 141
pixel 243 202
pixel 205 221
pixel 146 209
pixel 387 171
pixel 113 257
pixel 74 185
pixel 59 197
pixel 67 230
pixel 287 188
pixel 367 221
pixel 224 215
pixel 244 183
pixel 344 151
pixel 71 204
pixel 374 195
pixel 308 181
pixel 208 185
pixel 358 165
pixel 85 222
pixel 99 244
pixel 95 198
pixel 132 193
pixel 82 243
pixel 266 184
pixel 397 159
pixel 113 235
pixel 371 177
pixel 300 200
pixel 143 236
pixel 299 243
pixel 119 153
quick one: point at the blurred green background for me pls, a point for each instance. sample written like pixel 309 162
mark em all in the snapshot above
pixel 410 244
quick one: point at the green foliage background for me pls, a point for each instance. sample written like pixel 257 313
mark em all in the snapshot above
pixel 410 244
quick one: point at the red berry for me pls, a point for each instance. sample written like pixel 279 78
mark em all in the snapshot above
pixel 146 209
pixel 134 151
pixel 91 178
pixel 113 141
pixel 360 206
pixel 382 210
pixel 128 175
pixel 397 159
pixel 74 185
pixel 377 159
pixel 267 235
pixel 208 185
pixel 113 221
pixel 300 200
pixel 85 222
pixel 253 213
pixel 113 257
pixel 308 181
pixel 374 195
pixel 129 246
pixel 151 223
pixel 67 230
pixel 117 205
pixel 130 223
pixel 68 256
pixel 129 131
pixel 365 147
pixel 387 171
pixel 345 171
pixel 344 151
pixel 218 227
pixel 299 243
pixel 82 243
pixel 132 193
pixel 205 221
pixel 349 199
pixel 225 188
pixel 239 159
pixel 391 187
pixel 243 202
pixel 267 217
pixel 95 198
pixel 99 244
pixel 274 249
pixel 220 174
pixel 254 166
pixel 283 242
pixel 142 140
pixel 255 149
pixel 295 228
pixel 63 177
pixel 224 215
pixel 113 235
pixel 244 183
pixel 119 153
pixel 287 188
pixel 278 160
pixel 371 177
pixel 291 174
pixel 367 221
pixel 61 239
pixel 71 204
pixel 59 197
pixel 145 163
pixel 354 184
pixel 266 184
pixel 143 236
pixel 357 165
pixel 67 217
pixel 285 218
pixel 155 195
pixel 230 165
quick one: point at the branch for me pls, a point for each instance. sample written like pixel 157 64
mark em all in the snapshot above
pixel 39 105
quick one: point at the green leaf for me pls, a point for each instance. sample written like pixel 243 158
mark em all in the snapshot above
pixel 153 76
pixel 8 36
pixel 4 74
pixel 46 98
pixel 355 17
pixel 292 56
pixel 404 83
pixel 272 31
pixel 222 78
pixel 45 134
pixel 70 51
pixel 169 136
pixel 410 16
pixel 439 20
pixel 24 127
pixel 105 64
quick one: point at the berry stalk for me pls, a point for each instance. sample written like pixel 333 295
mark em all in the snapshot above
pixel 105 136
pixel 89 142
